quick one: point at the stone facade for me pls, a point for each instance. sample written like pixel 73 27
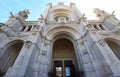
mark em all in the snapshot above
pixel 26 47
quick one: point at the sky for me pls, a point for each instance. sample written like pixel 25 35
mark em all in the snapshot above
pixel 36 7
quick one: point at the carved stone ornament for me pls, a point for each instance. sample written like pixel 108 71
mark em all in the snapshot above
pixel 85 51
pixel 24 13
pixel 102 42
pixel 36 27
pixel 80 41
pixel 61 19
pixel 89 26
pixel 28 44
pixel 47 42
pixel 2 25
pixel 44 52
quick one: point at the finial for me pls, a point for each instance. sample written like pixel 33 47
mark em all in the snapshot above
pixel 49 4
pixel 11 14
pixel 113 12
pixel 41 16
pixel 83 15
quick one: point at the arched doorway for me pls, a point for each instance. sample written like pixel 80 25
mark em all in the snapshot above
pixel 115 46
pixel 63 58
pixel 11 52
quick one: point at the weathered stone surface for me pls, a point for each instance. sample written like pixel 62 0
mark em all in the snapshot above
pixel 62 34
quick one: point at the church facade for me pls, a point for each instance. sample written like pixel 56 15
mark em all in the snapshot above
pixel 61 43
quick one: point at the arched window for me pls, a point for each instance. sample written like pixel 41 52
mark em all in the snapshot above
pixel 115 46
pixel 11 52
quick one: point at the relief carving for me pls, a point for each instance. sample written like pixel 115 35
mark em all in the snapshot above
pixel 36 27
pixel 23 13
pixel 28 44
pixel 44 52
pixel 102 42
pixel 47 42
pixel 80 41
pixel 2 26
pixel 85 51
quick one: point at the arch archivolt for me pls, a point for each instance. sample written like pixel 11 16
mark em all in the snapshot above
pixel 11 42
pixel 63 30
pixel 115 40
pixel 9 54
pixel 8 44
pixel 114 45
pixel 110 37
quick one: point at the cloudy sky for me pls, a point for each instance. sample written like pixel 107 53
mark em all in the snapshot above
pixel 36 7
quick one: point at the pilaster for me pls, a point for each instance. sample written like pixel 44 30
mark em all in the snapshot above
pixel 110 57
pixel 86 59
pixel 45 58
pixel 19 67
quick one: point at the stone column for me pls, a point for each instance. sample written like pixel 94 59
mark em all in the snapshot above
pixel 32 28
pixel 45 59
pixel 78 54
pixel 86 60
pixel 105 27
pixel 98 27
pixel 93 28
pixel 26 28
pixel 36 66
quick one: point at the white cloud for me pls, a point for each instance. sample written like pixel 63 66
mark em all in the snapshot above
pixel 86 6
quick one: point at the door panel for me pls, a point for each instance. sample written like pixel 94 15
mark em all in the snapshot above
pixel 64 69
pixel 69 69
pixel 58 69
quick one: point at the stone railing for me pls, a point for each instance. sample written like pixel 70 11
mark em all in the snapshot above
pixel 31 22
pixel 68 22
